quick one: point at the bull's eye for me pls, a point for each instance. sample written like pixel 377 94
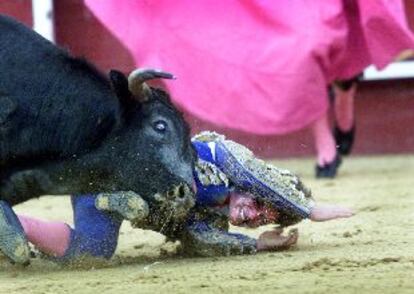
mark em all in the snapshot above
pixel 160 126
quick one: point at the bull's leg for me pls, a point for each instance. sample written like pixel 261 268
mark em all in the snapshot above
pixel 128 204
pixel 23 185
pixel 19 187
pixel 13 241
pixel 202 239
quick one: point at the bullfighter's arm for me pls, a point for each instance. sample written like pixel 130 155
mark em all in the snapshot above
pixel 204 238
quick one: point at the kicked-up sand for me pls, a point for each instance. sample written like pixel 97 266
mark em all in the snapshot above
pixel 373 252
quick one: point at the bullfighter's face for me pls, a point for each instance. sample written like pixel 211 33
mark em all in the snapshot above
pixel 245 211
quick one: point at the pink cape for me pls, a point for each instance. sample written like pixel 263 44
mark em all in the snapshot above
pixel 257 66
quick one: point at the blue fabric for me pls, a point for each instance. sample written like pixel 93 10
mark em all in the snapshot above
pixel 95 232
pixel 246 181
pixel 203 151
pixel 209 195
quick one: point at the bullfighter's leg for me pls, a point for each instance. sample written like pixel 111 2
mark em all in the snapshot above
pixel 344 130
pixel 328 160
pixel 50 237
pixel 95 233
pixel 13 241
pixel 97 220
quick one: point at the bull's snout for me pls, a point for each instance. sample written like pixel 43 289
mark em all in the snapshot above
pixel 169 210
pixel 182 197
pixel 179 199
pixel 185 173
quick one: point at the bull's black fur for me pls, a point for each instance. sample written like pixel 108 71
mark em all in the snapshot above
pixel 66 128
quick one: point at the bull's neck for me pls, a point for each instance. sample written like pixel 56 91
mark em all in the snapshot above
pixel 94 171
pixel 80 175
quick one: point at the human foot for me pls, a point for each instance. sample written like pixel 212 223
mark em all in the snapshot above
pixel 328 170
pixel 344 140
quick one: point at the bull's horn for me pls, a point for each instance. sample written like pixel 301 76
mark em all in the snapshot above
pixel 137 78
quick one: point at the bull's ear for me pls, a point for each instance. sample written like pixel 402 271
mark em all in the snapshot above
pixel 120 86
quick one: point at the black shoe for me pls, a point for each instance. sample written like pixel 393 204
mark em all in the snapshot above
pixel 328 170
pixel 13 241
pixel 344 140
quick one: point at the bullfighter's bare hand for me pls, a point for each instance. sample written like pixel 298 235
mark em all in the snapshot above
pixel 274 240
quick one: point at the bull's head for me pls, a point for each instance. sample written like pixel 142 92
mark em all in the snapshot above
pixel 160 151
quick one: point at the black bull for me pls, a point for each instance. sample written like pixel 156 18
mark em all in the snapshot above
pixel 67 129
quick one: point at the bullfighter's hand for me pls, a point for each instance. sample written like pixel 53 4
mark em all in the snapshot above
pixel 274 240
pixel 127 204
pixel 326 212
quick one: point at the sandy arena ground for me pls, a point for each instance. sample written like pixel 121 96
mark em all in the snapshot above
pixel 371 253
